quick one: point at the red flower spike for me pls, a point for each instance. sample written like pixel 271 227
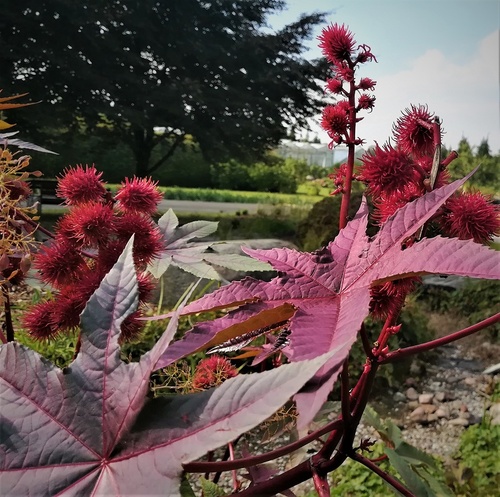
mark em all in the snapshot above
pixel 338 178
pixel 337 43
pixel 345 73
pixel 387 170
pixel 334 120
pixel 366 84
pixel 79 185
pixel 40 321
pixel 365 54
pixel 471 216
pixel 59 264
pixel 413 131
pixel 334 86
pixel 87 285
pixel 366 102
pixel 212 371
pixel 139 195
pixel 88 224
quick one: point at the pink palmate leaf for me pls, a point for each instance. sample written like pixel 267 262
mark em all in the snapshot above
pixel 330 288
pixel 90 429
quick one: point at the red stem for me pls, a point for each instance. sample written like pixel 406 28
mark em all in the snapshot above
pixel 36 225
pixel 346 195
pixel 345 397
pixel 236 483
pixel 49 233
pixel 432 344
pixel 385 476
pixel 367 347
pixel 453 155
pixel 211 466
pixel 321 484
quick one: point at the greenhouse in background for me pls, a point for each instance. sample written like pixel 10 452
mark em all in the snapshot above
pixel 315 153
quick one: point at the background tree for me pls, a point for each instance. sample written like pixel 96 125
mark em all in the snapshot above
pixel 211 69
pixel 487 177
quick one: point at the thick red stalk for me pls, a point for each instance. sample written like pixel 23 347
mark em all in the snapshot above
pixel 346 195
pixel 345 397
pixel 321 483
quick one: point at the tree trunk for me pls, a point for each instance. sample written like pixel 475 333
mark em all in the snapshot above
pixel 142 144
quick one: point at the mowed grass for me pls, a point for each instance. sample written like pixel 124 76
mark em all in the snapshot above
pixel 212 195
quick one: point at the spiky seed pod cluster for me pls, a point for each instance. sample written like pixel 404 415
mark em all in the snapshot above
pixel 88 241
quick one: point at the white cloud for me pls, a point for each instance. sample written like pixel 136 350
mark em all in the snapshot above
pixel 464 95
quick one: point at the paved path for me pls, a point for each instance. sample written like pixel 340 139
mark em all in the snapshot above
pixel 201 206
pixel 194 206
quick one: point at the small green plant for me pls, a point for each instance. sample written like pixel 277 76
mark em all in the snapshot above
pixel 477 468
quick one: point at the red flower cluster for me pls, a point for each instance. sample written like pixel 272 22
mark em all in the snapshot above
pixel 337 43
pixel 338 46
pixel 212 371
pixel 88 241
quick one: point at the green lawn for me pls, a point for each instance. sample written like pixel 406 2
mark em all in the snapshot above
pixel 211 195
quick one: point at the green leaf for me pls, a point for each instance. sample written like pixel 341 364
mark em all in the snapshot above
pixel 411 479
pixel 185 489
pixel 371 417
pixel 439 488
pixel 394 434
pixel 211 489
pixel 414 456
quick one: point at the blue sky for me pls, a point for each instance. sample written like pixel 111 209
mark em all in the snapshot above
pixel 443 53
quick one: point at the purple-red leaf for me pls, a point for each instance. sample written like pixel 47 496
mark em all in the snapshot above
pixel 330 288
pixel 89 429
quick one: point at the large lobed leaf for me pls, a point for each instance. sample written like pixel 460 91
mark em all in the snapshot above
pixel 180 250
pixel 90 430
pixel 330 289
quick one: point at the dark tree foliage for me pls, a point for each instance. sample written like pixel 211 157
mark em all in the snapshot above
pixel 210 69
